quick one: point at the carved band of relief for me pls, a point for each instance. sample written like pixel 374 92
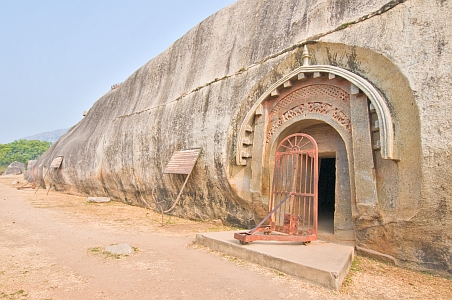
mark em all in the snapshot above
pixel 311 107
pixel 310 91
pixel 342 118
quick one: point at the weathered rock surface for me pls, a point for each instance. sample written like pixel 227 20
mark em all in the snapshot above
pixel 198 92
pixel 15 168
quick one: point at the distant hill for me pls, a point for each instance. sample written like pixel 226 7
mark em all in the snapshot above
pixel 51 136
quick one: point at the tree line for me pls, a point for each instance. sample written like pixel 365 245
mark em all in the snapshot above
pixel 21 151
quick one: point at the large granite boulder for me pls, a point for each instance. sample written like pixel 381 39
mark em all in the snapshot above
pixel 15 168
pixel 219 86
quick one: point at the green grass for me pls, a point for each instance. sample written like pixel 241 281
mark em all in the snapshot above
pixel 20 294
pixel 280 274
pixel 343 26
pixel 106 254
pixel 356 264
pixel 111 255
pixel 354 268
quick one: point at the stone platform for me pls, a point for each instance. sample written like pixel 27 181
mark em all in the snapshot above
pixel 319 262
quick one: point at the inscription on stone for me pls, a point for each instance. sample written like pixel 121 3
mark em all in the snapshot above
pixel 310 107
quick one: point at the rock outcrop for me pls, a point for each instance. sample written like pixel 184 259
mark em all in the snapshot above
pixel 201 90
pixel 15 168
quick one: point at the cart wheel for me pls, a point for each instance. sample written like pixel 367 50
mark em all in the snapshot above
pixel 243 243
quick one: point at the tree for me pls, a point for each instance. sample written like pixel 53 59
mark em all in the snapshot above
pixel 22 151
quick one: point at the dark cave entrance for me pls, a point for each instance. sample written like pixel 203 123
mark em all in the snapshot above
pixel 326 196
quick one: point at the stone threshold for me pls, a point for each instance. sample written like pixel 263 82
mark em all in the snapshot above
pixel 320 262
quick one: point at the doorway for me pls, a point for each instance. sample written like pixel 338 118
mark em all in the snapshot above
pixel 334 209
pixel 294 190
pixel 327 191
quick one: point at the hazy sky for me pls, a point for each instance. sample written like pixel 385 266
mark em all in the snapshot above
pixel 58 57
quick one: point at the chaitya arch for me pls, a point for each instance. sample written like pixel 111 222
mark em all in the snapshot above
pixel 357 86
pixel 348 115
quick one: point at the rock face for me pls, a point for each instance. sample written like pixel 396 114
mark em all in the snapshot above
pixel 15 168
pixel 372 86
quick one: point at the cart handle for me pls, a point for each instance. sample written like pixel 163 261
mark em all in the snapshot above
pixel 270 213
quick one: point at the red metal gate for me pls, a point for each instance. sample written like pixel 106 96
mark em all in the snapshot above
pixel 293 205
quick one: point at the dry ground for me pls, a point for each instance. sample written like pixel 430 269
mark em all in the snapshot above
pixel 51 247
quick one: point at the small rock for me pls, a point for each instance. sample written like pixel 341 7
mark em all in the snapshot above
pixel 217 222
pixel 99 199
pixel 15 182
pixel 121 249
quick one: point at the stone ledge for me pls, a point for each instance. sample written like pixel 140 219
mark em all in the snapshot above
pixel 320 262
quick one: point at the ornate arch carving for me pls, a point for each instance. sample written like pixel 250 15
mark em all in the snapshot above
pixel 357 85
pixel 327 100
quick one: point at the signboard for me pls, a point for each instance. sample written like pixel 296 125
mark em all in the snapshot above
pixel 182 162
pixel 56 163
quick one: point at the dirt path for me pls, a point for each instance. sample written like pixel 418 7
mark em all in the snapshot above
pixel 51 247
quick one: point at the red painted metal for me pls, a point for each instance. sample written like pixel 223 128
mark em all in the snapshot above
pixel 293 206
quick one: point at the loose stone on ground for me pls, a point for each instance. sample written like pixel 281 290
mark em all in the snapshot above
pixel 120 249
pixel 98 199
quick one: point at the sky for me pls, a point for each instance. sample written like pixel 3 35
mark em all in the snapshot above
pixel 58 57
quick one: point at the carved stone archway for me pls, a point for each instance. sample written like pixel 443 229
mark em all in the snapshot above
pixel 328 95
pixel 358 86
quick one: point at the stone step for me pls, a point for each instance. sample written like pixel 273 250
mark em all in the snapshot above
pixel 319 262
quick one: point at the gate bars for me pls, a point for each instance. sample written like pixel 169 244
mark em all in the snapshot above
pixel 293 207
